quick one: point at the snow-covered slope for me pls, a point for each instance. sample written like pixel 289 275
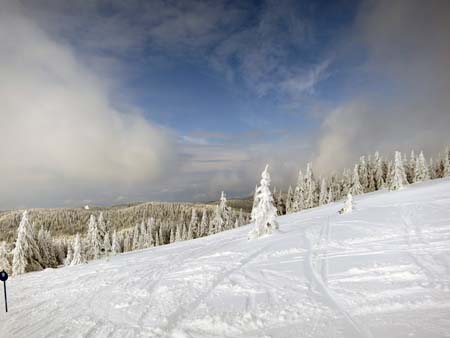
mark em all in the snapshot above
pixel 381 271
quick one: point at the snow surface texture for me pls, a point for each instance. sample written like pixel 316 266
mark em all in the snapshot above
pixel 381 271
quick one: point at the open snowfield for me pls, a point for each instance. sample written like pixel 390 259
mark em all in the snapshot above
pixel 381 271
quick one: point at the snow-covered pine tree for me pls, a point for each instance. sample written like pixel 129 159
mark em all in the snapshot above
pixel 398 177
pixel 142 235
pixel 265 212
pixel 225 212
pixel 203 224
pixel 127 242
pixel 298 200
pixel 379 175
pixel 135 242
pixel 178 234
pixel 431 169
pixel 356 187
pixel 363 173
pixel 190 233
pixel 157 243
pixel 323 192
pixel 446 160
pixel 69 256
pixel 312 197
pixel 172 236
pixel 46 250
pixel 4 260
pixel 330 196
pixel 93 240
pixel 241 218
pixel 346 182
pixel 78 252
pixel 193 225
pixel 115 247
pixel 289 198
pixel 421 172
pixel 255 202
pixel 26 255
pixel 149 239
pixel 101 227
pixel 281 204
pixel 411 172
pixel 216 224
pixel 107 244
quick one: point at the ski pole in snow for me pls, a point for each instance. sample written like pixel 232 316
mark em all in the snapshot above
pixel 4 278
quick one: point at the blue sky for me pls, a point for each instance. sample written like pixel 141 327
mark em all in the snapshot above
pixel 178 100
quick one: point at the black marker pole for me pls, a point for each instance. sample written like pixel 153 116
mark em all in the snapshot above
pixel 4 278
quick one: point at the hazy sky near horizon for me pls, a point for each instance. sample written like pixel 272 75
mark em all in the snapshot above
pixel 105 102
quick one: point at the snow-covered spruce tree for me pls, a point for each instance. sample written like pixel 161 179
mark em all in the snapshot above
pixel 46 249
pixel 217 223
pixel 241 218
pixel 203 224
pixel 4 260
pixel 265 212
pixel 101 227
pixel 107 244
pixel 225 212
pixel 26 255
pixel 142 236
pixel 446 163
pixel 398 177
pixel 363 173
pixel 411 172
pixel 149 239
pixel 281 205
pixel 135 241
pixel 379 175
pixel 289 198
pixel 255 202
pixel 178 234
pixel 93 239
pixel 193 225
pixel 78 252
pixel 298 200
pixel 115 247
pixel 311 197
pixel 421 172
pixel 69 256
pixel 323 192
pixel 356 187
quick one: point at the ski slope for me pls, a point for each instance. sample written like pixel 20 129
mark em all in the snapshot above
pixel 381 271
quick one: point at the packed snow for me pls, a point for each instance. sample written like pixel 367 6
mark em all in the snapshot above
pixel 380 270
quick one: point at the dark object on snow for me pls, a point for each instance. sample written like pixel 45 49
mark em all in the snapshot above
pixel 4 278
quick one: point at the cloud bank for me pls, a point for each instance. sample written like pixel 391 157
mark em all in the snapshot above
pixel 60 136
pixel 405 101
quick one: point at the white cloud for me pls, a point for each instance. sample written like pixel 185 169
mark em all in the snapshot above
pixel 59 134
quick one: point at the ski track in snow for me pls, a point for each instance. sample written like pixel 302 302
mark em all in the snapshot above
pixel 381 271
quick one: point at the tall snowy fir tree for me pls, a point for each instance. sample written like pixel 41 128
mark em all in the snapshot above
pixel 94 245
pixel 356 187
pixel 298 200
pixel 78 252
pixel 397 176
pixel 421 172
pixel 115 246
pixel 193 225
pixel 69 256
pixel 225 211
pixel 26 254
pixel 323 192
pixel 4 259
pixel 265 212
pixel 203 224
